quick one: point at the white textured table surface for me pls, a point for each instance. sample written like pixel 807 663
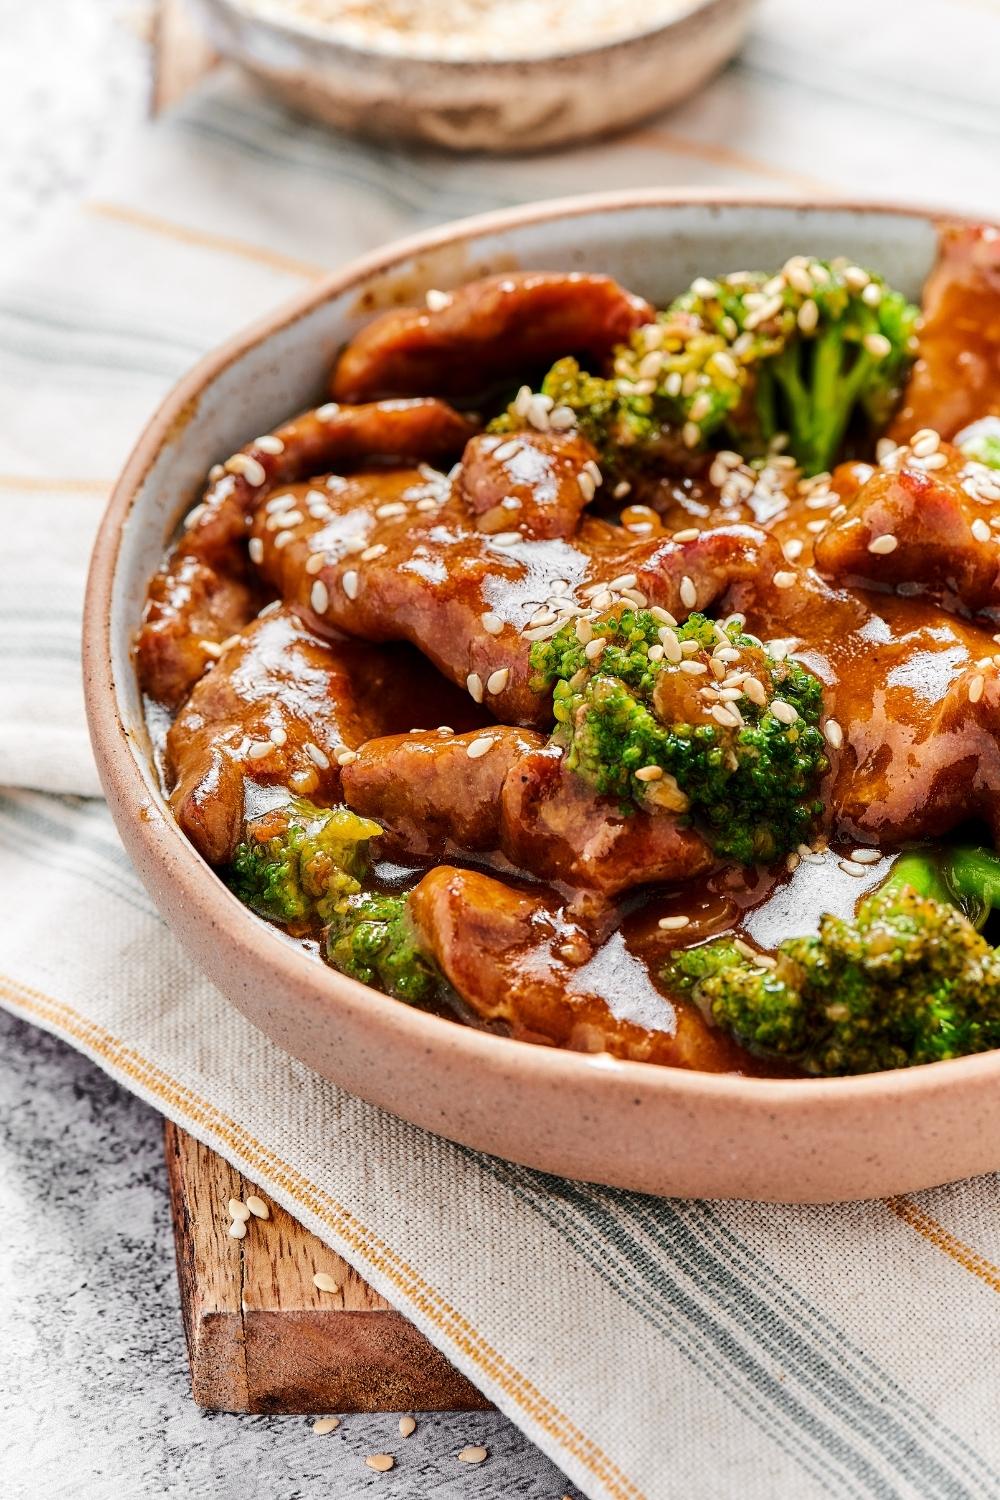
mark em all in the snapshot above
pixel 94 1397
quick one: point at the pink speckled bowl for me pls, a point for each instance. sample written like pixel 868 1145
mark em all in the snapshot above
pixel 623 1123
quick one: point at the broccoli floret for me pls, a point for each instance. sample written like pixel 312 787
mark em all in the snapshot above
pixel 746 357
pixel 371 938
pixel 981 441
pixel 299 864
pixel 908 981
pixel 741 360
pixel 650 732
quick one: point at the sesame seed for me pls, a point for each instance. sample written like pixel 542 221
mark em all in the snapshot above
pixel 976 686
pixel 436 300
pixel 472 1455
pixel 883 545
pixel 474 683
pixel 744 948
pixel 693 668
pixel 211 648
pixel 689 534
pixel 877 344
pixel 316 755
pixel 793 550
pixel 784 712
pixel 673 924
pixel 655 653
pixel 562 418
pixel 371 553
pixel 319 597
pixel 278 735
pixel 491 623
pixel 587 486
pixel 407 1426
pixel 621 489
pixel 346 757
pixel 850 868
pixel 497 681
pixel 834 734
pixel 649 773
pixel 251 469
pixel 505 538
pixel 980 530
pixel 783 579
pixel 324 1425
pixel 328 411
pixel 256 549
pixel 215 473
pixel 584 631
pixel 282 540
pixel 476 749
pixel 816 526
pixel 925 442
pixel 259 749
pixel 543 617
pixel 238 1229
pixel 594 648
pixel 663 616
pixel 866 856
pixel 688 593
pixel 691 434
pixel 315 562
pixel 269 444
pixel 351 583
pixel 389 509
pixel 623 581
pixel 935 461
pixel 506 449
pixel 808 316
pixel 238 1210
pixel 380 1462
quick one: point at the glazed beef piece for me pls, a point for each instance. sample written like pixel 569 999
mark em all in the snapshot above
pixel 956 378
pixel 912 694
pixel 537 483
pixel 396 555
pixel 437 791
pixel 486 332
pixel 554 825
pixel 921 524
pixel 205 591
pixel 505 789
pixel 276 709
pixel 520 963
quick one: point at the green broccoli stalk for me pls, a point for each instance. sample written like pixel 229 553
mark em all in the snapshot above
pixel 981 441
pixel 697 719
pixel 372 938
pixel 809 352
pixel 298 864
pixel 968 878
pixel 908 981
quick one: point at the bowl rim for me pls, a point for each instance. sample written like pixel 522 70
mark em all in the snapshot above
pixel 164 841
pixel 301 30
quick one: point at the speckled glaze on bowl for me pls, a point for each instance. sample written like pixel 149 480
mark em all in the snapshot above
pixel 482 103
pixel 626 1124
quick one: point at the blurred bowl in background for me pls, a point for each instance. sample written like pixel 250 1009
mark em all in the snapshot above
pixel 479 89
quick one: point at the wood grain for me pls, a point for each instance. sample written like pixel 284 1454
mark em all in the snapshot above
pixel 261 1337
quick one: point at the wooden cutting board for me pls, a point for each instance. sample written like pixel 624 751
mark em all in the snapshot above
pixel 261 1337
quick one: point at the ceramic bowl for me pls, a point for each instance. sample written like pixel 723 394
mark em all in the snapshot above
pixel 627 1124
pixel 483 103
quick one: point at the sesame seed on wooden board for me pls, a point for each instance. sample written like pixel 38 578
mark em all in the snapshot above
pixel 323 1425
pixel 380 1462
pixel 473 1455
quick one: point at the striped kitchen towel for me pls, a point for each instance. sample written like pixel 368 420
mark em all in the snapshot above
pixel 653 1348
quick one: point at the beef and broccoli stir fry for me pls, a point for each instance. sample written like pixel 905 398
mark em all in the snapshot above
pixel 616 678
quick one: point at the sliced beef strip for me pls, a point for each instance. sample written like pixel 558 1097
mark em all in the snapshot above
pixel 519 962
pixel 395 555
pixel 956 377
pixel 205 591
pixel 431 793
pixel 913 692
pixel 534 482
pixel 275 709
pixel 554 825
pixel 921 530
pixel 485 332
